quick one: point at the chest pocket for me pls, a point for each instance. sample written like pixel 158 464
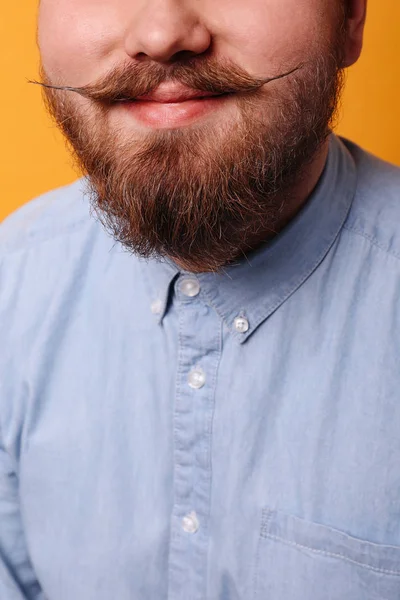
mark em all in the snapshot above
pixel 300 560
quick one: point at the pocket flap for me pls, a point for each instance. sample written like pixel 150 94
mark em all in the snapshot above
pixel 308 536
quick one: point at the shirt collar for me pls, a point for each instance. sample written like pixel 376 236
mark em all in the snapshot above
pixel 256 287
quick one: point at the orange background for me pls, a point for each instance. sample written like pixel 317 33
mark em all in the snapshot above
pixel 33 158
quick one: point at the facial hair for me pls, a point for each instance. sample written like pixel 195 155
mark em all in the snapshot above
pixel 199 195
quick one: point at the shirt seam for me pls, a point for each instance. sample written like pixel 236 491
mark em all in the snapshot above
pixel 36 240
pixel 372 240
pixel 331 554
pixel 261 316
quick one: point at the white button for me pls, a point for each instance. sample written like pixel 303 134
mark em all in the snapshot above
pixel 156 307
pixel 241 324
pixel 190 523
pixel 190 287
pixel 196 378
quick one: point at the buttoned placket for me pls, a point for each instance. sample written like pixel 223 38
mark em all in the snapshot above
pixel 199 356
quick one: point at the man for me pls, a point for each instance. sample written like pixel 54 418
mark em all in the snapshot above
pixel 205 403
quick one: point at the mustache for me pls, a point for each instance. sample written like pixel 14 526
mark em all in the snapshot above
pixel 127 82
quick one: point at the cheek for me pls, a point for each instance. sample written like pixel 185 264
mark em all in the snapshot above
pixel 73 37
pixel 268 34
pixel 76 37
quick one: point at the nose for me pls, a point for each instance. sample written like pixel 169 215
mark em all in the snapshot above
pixel 162 29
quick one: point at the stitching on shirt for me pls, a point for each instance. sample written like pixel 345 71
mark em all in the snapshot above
pixel 372 240
pixel 265 520
pixel 321 257
pixel 331 554
pixel 296 285
pixel 36 238
pixel 293 287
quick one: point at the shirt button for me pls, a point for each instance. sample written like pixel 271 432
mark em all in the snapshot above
pixel 241 324
pixel 190 523
pixel 190 287
pixel 196 378
pixel 156 307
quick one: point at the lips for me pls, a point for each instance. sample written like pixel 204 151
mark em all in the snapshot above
pixel 173 106
pixel 172 93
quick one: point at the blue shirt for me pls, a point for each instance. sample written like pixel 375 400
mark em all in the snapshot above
pixel 166 436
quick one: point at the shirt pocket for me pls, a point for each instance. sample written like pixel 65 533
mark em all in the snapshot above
pixel 298 559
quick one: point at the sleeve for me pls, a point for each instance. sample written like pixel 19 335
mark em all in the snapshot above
pixel 17 579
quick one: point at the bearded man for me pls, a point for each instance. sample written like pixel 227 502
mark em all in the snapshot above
pixel 200 364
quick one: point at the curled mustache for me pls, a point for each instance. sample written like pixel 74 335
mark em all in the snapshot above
pixel 125 83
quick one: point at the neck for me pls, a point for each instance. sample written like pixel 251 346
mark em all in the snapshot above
pixel 305 185
pixel 297 196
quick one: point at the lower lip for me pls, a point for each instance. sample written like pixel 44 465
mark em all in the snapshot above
pixel 173 114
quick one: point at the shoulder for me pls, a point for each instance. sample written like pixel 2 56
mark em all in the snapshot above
pixel 46 248
pixel 50 215
pixel 375 211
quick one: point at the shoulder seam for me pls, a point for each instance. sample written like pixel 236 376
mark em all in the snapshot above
pixel 373 241
pixel 37 240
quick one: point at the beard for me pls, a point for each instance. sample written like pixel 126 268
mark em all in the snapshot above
pixel 203 196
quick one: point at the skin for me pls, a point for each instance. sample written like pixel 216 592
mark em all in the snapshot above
pixel 81 40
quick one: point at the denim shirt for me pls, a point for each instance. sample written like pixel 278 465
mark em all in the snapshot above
pixel 232 436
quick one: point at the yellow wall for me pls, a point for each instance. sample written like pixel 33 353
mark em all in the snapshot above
pixel 33 157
